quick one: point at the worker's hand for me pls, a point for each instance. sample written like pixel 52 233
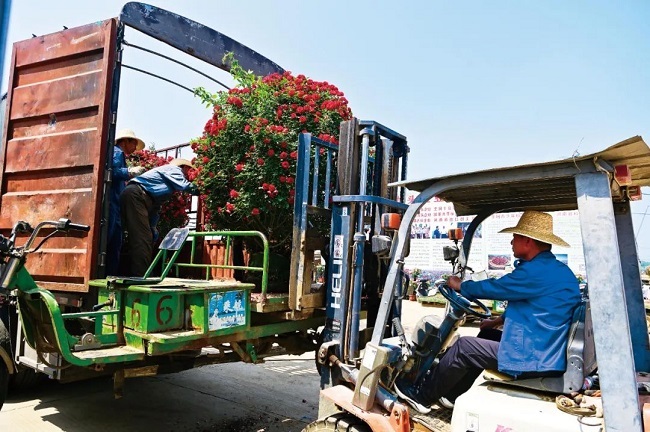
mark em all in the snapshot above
pixel 454 283
pixel 136 171
pixel 491 323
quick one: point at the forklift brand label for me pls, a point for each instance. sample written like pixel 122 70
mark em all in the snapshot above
pixel 338 246
pixel 226 310
pixel 333 324
pixel 337 283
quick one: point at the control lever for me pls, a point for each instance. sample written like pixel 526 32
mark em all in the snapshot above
pixel 101 306
pixel 397 325
pixel 406 362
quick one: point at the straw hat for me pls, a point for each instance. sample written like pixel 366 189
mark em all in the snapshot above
pixel 128 133
pixel 536 225
pixel 181 162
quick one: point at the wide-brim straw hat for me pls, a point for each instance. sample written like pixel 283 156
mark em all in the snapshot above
pixel 181 162
pixel 536 225
pixel 128 133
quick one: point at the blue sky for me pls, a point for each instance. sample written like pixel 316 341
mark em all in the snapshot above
pixel 472 84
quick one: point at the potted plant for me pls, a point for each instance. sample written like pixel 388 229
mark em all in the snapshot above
pixel 246 157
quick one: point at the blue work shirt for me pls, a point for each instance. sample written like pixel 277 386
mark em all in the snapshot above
pixel 542 294
pixel 120 177
pixel 161 182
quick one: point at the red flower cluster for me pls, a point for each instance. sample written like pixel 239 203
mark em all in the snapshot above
pixel 246 158
pixel 173 213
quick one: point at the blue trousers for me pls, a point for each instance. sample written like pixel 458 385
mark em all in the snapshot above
pixel 459 367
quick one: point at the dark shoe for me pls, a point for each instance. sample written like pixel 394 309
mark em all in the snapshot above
pixel 410 394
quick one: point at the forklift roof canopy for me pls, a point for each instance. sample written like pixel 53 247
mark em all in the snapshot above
pixel 547 186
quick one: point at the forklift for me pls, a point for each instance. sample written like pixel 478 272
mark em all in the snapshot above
pixel 608 347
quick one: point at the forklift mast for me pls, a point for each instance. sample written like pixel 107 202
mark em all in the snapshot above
pixel 370 157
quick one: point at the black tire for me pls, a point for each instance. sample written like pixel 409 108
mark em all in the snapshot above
pixel 340 422
pixel 25 379
pixel 4 370
pixel 22 379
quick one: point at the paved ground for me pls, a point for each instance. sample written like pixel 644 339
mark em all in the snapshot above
pixel 280 395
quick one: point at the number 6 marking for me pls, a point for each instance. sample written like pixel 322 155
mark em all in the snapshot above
pixel 160 309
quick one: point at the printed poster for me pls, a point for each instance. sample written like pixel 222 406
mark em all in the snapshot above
pixel 226 309
pixel 490 251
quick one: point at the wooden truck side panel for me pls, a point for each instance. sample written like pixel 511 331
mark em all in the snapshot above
pixel 55 144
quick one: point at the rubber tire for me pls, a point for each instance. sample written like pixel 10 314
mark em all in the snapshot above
pixel 339 422
pixel 25 379
pixel 4 371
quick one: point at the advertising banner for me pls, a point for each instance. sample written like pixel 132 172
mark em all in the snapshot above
pixel 490 250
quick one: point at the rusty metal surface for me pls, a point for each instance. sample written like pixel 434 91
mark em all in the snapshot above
pixel 54 145
pixel 376 418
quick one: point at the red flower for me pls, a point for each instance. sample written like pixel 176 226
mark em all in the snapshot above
pixel 270 112
pixel 234 100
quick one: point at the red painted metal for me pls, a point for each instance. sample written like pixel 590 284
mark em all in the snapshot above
pixel 398 420
pixel 55 143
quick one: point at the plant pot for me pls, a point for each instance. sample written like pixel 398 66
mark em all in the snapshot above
pixel 412 297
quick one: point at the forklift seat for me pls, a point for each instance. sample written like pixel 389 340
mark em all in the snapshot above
pixel 581 360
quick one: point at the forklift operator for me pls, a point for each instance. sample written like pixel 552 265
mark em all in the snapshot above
pixel 542 294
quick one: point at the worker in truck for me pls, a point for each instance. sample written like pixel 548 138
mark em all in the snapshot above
pixel 126 142
pixel 542 293
pixel 140 204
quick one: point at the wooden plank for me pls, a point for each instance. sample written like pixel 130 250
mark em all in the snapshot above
pixel 79 286
pixel 70 42
pixel 36 207
pixel 64 150
pixel 70 93
pixel 55 144
pixel 62 68
pixel 70 262
pixel 315 300
pixel 39 181
pixel 61 123
pixel 76 241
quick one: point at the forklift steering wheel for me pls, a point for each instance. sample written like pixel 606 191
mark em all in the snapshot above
pixel 462 303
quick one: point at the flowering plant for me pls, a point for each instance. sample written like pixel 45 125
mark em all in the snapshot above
pixel 246 157
pixel 173 212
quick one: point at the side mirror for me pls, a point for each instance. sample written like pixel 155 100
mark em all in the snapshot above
pixel 450 253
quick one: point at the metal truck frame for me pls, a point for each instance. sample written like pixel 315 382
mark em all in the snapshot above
pixel 61 315
pixel 611 322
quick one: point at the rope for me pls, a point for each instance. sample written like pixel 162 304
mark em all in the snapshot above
pixel 569 406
